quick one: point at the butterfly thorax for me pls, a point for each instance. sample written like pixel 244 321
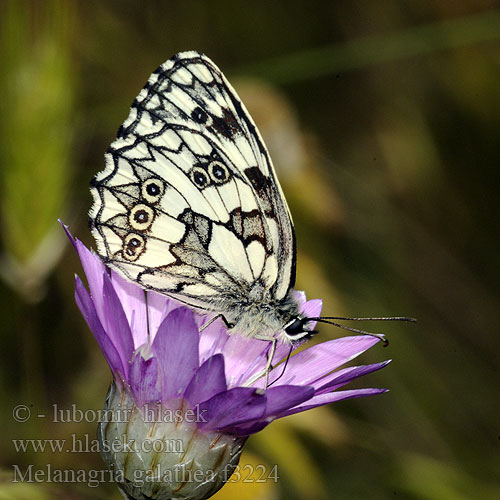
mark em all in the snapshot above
pixel 265 319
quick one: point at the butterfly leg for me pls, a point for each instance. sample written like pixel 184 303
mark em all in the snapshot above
pixel 216 317
pixel 269 365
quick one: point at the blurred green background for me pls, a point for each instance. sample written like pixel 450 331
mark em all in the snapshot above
pixel 383 120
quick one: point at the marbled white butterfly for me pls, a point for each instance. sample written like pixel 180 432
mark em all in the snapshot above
pixel 189 204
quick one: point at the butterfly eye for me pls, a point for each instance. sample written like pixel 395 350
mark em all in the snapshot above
pixel 152 190
pixel 296 327
pixel 141 217
pixel 200 177
pixel 133 246
pixel 218 172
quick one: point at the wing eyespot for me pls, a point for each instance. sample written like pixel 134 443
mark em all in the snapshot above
pixel 141 217
pixel 200 177
pixel 133 246
pixel 200 116
pixel 152 190
pixel 218 172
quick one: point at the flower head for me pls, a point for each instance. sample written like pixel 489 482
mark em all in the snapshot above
pixel 163 363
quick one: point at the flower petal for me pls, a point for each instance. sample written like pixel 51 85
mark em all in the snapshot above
pixel 233 407
pixel 300 297
pixel 94 270
pixel 244 360
pixel 158 308
pixel 243 357
pixel 209 380
pixel 213 338
pixel 143 380
pixel 68 234
pixel 279 399
pixel 176 346
pixel 87 308
pixel 134 305
pixel 246 429
pixel 117 326
pixel 97 274
pixel 323 399
pixel 283 397
pixel 309 365
pixel 342 377
pixel 308 308
pixel 311 309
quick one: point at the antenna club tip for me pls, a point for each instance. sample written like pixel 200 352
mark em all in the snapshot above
pixel 408 319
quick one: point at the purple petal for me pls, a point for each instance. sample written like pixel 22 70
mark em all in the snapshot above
pixel 213 339
pixel 117 326
pixel 283 397
pixel 323 399
pixel 133 303
pixel 233 407
pixel 307 366
pixel 143 380
pixel 243 356
pixel 300 297
pixel 309 309
pixel 342 377
pixel 176 347
pixel 94 270
pixel 68 234
pixel 209 380
pixel 246 357
pixel 312 309
pixel 158 308
pixel 247 429
pixel 86 306
pixel 279 399
pixel 281 352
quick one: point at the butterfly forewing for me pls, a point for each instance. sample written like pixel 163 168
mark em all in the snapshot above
pixel 189 203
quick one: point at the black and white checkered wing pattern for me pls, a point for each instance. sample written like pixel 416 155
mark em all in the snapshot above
pixel 189 203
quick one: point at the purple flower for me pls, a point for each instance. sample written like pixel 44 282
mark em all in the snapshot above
pixel 160 359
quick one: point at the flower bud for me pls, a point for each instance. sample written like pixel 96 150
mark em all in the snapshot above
pixel 159 451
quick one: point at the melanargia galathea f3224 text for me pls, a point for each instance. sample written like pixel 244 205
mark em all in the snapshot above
pixel 189 204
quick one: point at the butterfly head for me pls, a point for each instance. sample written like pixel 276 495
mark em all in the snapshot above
pixel 298 330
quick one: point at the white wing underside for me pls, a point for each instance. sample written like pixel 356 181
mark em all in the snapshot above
pixel 189 203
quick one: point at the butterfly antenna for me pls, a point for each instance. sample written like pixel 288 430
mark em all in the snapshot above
pixel 381 336
pixel 390 318
pixel 284 368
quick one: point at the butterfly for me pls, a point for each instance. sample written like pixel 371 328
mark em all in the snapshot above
pixel 189 204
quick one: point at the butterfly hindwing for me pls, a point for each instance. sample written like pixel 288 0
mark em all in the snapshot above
pixel 189 203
